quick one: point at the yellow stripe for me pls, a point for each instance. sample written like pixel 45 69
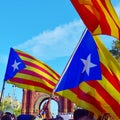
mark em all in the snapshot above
pixel 88 106
pixel 113 27
pixel 86 88
pixel 107 59
pixel 84 104
pixel 97 30
pixel 41 73
pixel 93 109
pixel 73 97
pixel 110 88
pixel 39 63
pixel 34 79
pixel 112 12
pixel 36 62
pixel 30 87
pixel 68 94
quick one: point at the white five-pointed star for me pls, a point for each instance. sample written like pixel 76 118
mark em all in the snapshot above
pixel 87 64
pixel 15 65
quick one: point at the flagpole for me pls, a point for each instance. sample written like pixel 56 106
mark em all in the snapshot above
pixel 69 60
pixel 52 94
pixel 3 87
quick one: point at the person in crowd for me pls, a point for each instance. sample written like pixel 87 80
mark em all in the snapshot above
pixel 45 111
pixel 106 116
pixel 82 114
pixel 59 118
pixel 1 114
pixel 8 116
pixel 26 117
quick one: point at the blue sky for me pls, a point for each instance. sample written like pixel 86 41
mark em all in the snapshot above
pixel 47 29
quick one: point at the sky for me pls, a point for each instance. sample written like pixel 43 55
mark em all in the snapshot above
pixel 47 29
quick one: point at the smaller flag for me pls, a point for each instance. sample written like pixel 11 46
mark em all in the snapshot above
pixel 83 66
pixel 25 71
pixel 99 16
pixel 15 64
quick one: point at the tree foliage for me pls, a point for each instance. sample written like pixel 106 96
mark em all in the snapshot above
pixel 10 105
pixel 116 49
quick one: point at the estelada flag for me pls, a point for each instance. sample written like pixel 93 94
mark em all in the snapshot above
pixel 84 64
pixel 98 96
pixel 99 16
pixel 25 71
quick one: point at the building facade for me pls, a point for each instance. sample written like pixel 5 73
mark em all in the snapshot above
pixel 33 100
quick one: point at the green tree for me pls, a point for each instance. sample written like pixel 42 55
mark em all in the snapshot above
pixel 116 49
pixel 13 106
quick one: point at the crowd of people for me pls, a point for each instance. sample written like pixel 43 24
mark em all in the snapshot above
pixel 82 114
pixel 79 114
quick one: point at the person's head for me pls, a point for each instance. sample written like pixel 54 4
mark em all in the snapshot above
pixel 1 113
pixel 59 118
pixel 6 117
pixel 25 117
pixel 81 114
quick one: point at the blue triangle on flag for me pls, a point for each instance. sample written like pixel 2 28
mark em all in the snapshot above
pixel 14 65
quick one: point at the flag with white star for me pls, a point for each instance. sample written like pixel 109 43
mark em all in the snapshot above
pixel 84 65
pixel 15 64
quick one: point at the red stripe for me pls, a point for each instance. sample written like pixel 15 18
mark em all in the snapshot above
pixel 28 56
pixel 86 97
pixel 87 17
pixel 105 27
pixel 24 71
pixel 32 83
pixel 111 77
pixel 104 94
pixel 39 68
pixel 25 55
pixel 105 6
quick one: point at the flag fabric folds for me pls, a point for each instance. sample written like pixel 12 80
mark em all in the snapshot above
pixel 35 75
pixel 99 16
pixel 84 64
pixel 99 96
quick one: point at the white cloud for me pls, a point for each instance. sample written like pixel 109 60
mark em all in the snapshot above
pixel 58 42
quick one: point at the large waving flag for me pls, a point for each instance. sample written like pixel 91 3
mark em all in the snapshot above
pixel 84 64
pixel 25 71
pixel 99 16
pixel 99 96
